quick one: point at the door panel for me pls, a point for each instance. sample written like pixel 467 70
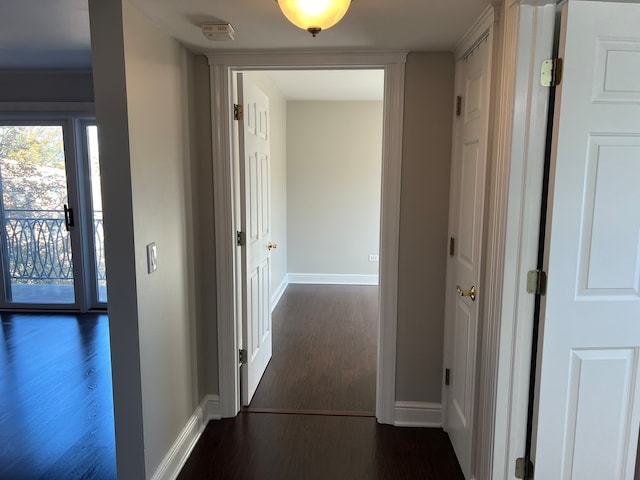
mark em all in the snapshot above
pixel 588 413
pixel 254 186
pixel 464 268
pixel 37 248
pixel 50 214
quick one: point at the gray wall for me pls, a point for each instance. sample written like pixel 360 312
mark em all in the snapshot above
pixel 333 178
pixel 199 95
pixel 46 86
pixel 424 200
pixel 148 159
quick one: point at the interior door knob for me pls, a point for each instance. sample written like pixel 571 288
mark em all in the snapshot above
pixel 467 293
pixel 271 246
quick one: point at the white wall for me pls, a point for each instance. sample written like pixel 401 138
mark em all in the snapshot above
pixel 278 176
pixel 143 120
pixel 334 155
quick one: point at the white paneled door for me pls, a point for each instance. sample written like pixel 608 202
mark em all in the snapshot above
pixel 253 136
pixel 588 412
pixel 464 287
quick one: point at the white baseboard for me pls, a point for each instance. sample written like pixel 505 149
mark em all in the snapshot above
pixel 179 452
pixel 417 414
pixel 276 294
pixel 333 279
pixel 211 408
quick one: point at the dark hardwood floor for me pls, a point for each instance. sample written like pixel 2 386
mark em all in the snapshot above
pixel 321 381
pixel 56 406
pixel 56 414
pixel 266 446
pixel 324 351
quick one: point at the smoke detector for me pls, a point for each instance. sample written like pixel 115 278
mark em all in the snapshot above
pixel 219 32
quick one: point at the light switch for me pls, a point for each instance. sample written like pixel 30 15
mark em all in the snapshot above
pixel 152 258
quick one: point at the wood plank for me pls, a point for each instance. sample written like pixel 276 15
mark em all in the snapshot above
pixel 261 445
pixel 56 405
pixel 324 351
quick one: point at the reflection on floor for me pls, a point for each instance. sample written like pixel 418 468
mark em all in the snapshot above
pixel 56 406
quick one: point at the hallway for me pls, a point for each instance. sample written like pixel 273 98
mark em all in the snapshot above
pixel 312 416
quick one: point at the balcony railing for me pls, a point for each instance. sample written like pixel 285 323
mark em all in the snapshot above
pixel 39 247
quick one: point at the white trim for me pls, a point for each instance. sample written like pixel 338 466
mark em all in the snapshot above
pixel 469 40
pixel 493 253
pixel 389 241
pixel 225 238
pixel 306 59
pixel 222 64
pixel 528 40
pixel 418 414
pixel 211 408
pixel 333 279
pixel 179 452
pixel 276 294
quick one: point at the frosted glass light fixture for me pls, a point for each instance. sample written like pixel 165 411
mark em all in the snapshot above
pixel 314 15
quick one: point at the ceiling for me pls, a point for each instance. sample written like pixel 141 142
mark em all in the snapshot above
pixel 329 85
pixel 424 25
pixel 55 33
pixel 44 34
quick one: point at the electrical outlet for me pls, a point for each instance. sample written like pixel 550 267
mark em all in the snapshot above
pixel 374 258
pixel 152 258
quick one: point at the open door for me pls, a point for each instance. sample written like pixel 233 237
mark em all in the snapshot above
pixel 464 268
pixel 253 136
pixel 588 408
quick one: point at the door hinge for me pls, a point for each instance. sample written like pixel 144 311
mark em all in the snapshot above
pixel 237 112
pixel 452 246
pixel 524 468
pixel 241 239
pixel 447 376
pixel 536 282
pixel 242 356
pixel 458 106
pixel 551 72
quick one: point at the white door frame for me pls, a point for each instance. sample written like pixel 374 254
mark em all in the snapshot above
pixel 225 206
pixel 526 38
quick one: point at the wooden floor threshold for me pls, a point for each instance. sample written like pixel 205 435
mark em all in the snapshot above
pixel 326 413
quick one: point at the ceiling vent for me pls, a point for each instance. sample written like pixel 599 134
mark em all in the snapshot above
pixel 219 32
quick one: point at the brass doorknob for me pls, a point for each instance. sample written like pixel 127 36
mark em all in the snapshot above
pixel 467 293
pixel 271 246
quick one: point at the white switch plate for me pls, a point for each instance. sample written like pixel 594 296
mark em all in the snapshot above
pixel 152 258
pixel 374 258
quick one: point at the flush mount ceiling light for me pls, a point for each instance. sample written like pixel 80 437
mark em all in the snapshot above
pixel 314 15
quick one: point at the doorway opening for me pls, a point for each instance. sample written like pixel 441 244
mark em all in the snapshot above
pixel 52 254
pixel 223 65
pixel 325 134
